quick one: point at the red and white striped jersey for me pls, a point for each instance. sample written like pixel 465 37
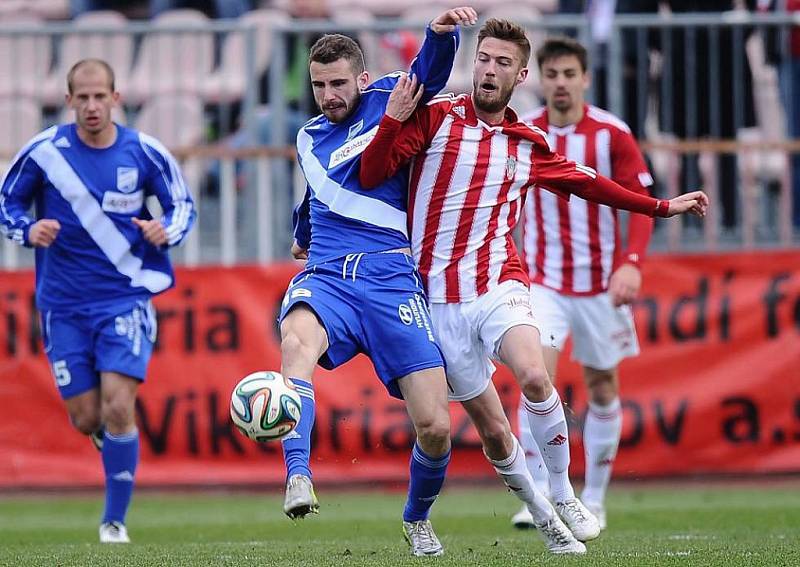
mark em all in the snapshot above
pixel 573 246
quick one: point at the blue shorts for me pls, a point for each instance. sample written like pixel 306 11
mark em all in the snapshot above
pixel 109 338
pixel 372 304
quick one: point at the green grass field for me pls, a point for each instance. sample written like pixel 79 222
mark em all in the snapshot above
pixel 680 525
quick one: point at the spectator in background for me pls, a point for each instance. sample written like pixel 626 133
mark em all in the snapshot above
pixel 783 51
pixel 212 8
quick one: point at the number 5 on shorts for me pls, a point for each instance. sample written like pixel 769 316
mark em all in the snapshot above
pixel 63 377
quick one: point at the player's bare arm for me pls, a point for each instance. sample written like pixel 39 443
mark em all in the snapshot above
pixel 447 21
pixel 43 232
pixel 404 98
pixel 152 230
pixel 298 252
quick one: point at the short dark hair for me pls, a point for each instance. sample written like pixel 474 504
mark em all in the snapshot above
pixel 560 46
pixel 334 46
pixel 82 63
pixel 507 31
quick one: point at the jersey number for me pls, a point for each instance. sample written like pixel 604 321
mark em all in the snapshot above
pixel 63 377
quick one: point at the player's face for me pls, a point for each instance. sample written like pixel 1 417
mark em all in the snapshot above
pixel 337 89
pixel 564 82
pixel 92 99
pixel 498 69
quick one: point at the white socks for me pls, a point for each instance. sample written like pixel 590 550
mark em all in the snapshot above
pixel 514 472
pixel 601 434
pixel 533 456
pixel 548 424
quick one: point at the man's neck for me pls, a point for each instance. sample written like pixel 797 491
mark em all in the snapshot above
pixel 568 117
pixel 103 139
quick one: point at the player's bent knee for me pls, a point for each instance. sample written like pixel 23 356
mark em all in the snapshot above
pixel 118 414
pixel 535 383
pixel 434 432
pixel 294 346
pixel 86 422
pixel 496 437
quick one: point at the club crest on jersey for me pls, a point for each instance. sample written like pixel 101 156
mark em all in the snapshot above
pixel 511 167
pixel 354 130
pixel 127 179
pixel 461 111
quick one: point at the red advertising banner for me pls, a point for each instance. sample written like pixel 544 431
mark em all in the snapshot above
pixel 716 389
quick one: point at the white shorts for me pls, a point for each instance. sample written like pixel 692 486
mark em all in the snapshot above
pixel 602 335
pixel 469 335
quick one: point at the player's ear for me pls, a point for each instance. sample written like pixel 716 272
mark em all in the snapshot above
pixel 115 96
pixel 363 80
pixel 522 75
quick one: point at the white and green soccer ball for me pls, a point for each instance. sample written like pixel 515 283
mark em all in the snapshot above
pixel 265 407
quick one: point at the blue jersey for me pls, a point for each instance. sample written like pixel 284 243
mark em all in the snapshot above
pixel 99 255
pixel 345 217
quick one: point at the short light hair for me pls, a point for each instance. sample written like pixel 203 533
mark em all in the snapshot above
pixel 562 46
pixel 332 47
pixel 507 30
pixel 84 62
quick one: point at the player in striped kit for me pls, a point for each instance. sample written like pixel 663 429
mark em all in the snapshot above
pixel 582 280
pixel 473 162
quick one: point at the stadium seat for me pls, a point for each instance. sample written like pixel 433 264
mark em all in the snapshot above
pixel 355 15
pixel 173 61
pixel 20 120
pixel 25 58
pixel 115 47
pixel 227 84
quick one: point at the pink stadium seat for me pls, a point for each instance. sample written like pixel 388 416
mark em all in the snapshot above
pixel 228 82
pixel 170 61
pixel 20 120
pixel 176 120
pixel 24 59
pixel 114 48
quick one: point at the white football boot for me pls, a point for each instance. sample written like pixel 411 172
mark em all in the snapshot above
pixel 558 539
pixel 300 499
pixel 422 539
pixel 523 519
pixel 599 512
pixel 579 520
pixel 113 532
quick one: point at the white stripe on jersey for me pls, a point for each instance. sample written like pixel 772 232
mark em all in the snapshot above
pixel 91 216
pixel 341 201
pixel 579 220
pixel 607 222
pixel 451 210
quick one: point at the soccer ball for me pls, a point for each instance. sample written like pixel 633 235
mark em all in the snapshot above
pixel 265 407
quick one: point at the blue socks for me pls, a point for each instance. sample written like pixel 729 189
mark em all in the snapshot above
pixel 120 457
pixel 297 446
pixel 427 477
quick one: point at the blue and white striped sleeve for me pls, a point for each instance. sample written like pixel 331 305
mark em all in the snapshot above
pixel 166 183
pixel 22 180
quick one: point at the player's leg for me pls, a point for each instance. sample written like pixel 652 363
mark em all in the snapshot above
pixel 603 336
pixel 120 451
pixel 425 394
pixel 506 456
pixel 520 351
pixel 124 341
pixel 601 435
pixel 303 340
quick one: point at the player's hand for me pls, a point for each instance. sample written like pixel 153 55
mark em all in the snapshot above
pixel 43 232
pixel 298 252
pixel 404 98
pixel 152 230
pixel 624 284
pixel 695 203
pixel 447 22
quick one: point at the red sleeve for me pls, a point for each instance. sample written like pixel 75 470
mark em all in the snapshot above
pixel 630 170
pixel 554 172
pixel 393 146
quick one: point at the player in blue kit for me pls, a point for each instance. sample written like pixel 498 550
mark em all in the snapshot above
pixel 360 291
pixel 100 257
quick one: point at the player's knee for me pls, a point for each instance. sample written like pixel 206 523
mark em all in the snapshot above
pixel 496 438
pixel 86 422
pixel 433 431
pixel 118 414
pixel 294 347
pixel 535 383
